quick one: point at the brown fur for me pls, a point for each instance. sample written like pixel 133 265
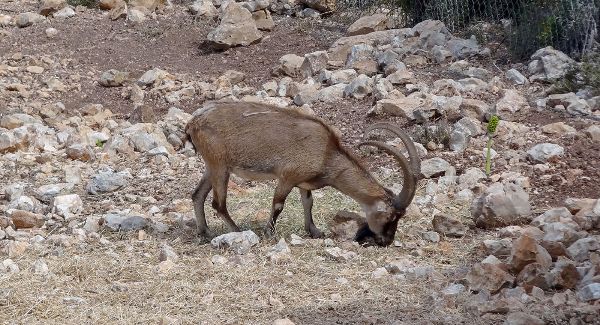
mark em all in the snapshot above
pixel 259 141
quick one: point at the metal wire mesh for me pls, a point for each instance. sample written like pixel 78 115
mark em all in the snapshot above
pixel 571 26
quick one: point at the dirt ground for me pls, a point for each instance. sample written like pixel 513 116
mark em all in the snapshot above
pixel 117 282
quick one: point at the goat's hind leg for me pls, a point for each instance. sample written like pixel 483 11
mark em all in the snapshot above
pixel 309 224
pixel 199 197
pixel 219 203
pixel 281 192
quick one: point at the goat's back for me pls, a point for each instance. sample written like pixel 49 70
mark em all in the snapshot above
pixel 262 138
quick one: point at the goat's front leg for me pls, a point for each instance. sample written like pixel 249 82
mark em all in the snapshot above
pixel 219 203
pixel 199 197
pixel 309 224
pixel 281 192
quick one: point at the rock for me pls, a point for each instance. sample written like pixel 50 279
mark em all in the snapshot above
pixel 558 128
pixel 339 254
pixel 113 78
pixel 555 249
pixel 368 24
pixel 521 318
pixel 28 18
pixel 533 274
pixel 203 8
pixel 463 48
pixel 564 275
pixel 51 32
pixel 491 277
pixel 589 292
pixel 296 240
pixel 119 11
pixel 560 232
pixel 67 205
pixel 239 242
pixel 434 167
pixel 40 267
pixel 64 13
pixel 263 20
pixel 549 64
pixel 593 132
pixel 544 152
pixel 109 4
pixel 150 5
pixel 431 236
pixel 516 77
pixel 580 250
pixel 25 219
pixel 552 215
pixel 525 251
pixel 283 321
pixel 289 65
pixel 345 224
pixel 280 252
pixel 313 63
pixel 401 77
pixel 359 88
pixel 167 253
pixel 379 273
pixel 511 103
pixel 320 5
pixel 448 226
pixel 499 248
pixel 403 106
pixel 108 181
pixel 237 28
pixel 80 152
pixel 17 248
pixel 124 222
pixel 152 77
pixel 501 205
pixel 9 266
pixel 470 178
pixel 48 7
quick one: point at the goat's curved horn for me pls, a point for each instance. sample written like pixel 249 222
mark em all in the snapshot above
pixel 408 143
pixel 409 186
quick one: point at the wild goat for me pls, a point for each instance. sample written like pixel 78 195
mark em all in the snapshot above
pixel 262 142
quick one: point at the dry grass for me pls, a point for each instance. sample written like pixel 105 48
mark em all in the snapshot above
pixel 119 283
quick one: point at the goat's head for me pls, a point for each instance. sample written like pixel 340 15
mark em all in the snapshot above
pixel 383 217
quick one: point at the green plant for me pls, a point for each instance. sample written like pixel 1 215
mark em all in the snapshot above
pixel 491 129
pixel 99 143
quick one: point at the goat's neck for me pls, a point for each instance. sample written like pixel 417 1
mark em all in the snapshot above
pixel 359 184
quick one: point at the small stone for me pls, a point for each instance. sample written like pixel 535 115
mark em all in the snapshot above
pixel 448 226
pixel 501 205
pixel 25 219
pixel 9 266
pixel 431 236
pixel 283 321
pixel 165 266
pixel 339 254
pixel 280 252
pixel 113 78
pixel 67 205
pixel 516 77
pixel 239 242
pixel 589 292
pixel 593 132
pixel 64 13
pixel 491 277
pixel 580 250
pixel 545 151
pixel 28 18
pixel 526 250
pixel 379 272
pixel 558 128
pixel 51 32
pixel 124 222
pixel 167 253
pixel 35 69
pixel 40 267
pixel 521 318
pixel 434 167
pixel 368 24
pixel 107 181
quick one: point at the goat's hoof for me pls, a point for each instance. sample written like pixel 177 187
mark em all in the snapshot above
pixel 203 233
pixel 269 231
pixel 315 233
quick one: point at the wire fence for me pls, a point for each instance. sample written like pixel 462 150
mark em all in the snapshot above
pixel 571 26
